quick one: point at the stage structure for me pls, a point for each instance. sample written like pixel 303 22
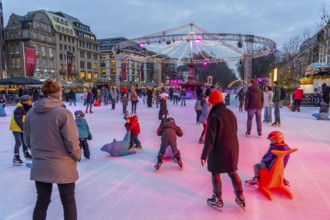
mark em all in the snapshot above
pixel 181 44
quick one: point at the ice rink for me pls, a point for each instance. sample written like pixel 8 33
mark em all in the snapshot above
pixel 128 188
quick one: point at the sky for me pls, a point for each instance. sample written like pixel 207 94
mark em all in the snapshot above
pixel 279 20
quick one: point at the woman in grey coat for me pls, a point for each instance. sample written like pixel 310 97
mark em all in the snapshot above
pixel 51 134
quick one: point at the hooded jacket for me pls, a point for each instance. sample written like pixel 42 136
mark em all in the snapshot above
pixel 298 94
pixel 51 133
pixel 254 98
pixel 16 123
pixel 169 130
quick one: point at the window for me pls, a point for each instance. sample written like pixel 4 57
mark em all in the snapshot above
pixel 61 47
pixel 95 56
pixel 44 64
pixel 60 37
pixel 61 56
pixel 43 51
pixel 82 54
pixel 88 55
pixel 82 64
pixel 95 66
pixel 69 48
pixel 89 65
pixel 72 49
pixel 64 47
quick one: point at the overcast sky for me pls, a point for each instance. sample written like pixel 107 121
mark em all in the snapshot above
pixel 278 20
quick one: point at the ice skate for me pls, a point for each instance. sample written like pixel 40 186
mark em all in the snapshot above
pixel 251 182
pixel 215 202
pixel 286 182
pixel 201 140
pixel 27 155
pixel 179 161
pixel 17 160
pixel 240 201
pixel 158 165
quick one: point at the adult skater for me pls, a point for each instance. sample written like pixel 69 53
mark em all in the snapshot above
pixel 163 112
pixel 221 150
pixel 254 101
pixel 51 133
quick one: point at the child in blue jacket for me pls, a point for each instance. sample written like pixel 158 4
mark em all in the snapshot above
pixel 84 132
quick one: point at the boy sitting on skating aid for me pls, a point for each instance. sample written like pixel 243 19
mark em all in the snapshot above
pixel 276 143
pixel 168 130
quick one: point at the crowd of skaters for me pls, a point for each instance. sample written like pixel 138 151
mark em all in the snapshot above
pixel 208 102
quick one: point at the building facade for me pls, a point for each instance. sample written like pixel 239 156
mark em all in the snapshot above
pixel 2 45
pixel 65 49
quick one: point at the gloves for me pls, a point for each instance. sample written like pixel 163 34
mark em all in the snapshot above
pixel 89 137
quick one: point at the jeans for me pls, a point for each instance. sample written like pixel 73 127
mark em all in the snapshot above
pixel 83 144
pixel 198 115
pixel 183 100
pixel 18 142
pixel 134 106
pixel 235 180
pixel 277 112
pixel 163 146
pixel 72 100
pixel 203 132
pixel 241 104
pixel 251 113
pixel 268 113
pixel 89 105
pixel 297 105
pixel 134 140
pixel 257 167
pixel 105 100
pixel 44 192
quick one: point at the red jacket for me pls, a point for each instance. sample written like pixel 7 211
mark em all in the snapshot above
pixel 133 126
pixel 298 94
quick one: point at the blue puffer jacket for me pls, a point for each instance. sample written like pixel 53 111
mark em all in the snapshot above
pixel 269 158
pixel 83 127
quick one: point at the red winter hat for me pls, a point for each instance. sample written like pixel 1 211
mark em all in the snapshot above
pixel 215 97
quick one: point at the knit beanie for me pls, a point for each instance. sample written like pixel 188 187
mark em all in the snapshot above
pixel 215 97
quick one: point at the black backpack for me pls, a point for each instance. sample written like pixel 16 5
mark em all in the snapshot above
pixel 283 94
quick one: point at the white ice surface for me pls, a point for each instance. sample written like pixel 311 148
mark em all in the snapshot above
pixel 128 188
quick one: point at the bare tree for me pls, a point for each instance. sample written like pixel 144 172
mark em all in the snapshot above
pixel 324 15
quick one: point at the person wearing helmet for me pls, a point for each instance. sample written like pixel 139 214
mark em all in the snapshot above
pixel 16 126
pixel 132 125
pixel 276 139
pixel 84 132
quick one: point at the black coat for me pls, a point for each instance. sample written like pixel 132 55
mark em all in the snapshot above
pixel 162 109
pixel 221 146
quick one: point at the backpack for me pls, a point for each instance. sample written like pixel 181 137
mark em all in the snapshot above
pixel 283 94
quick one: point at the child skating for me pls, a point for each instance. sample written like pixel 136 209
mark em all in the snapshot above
pixel 168 130
pixel 84 132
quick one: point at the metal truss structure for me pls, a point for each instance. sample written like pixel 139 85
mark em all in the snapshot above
pixel 177 45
